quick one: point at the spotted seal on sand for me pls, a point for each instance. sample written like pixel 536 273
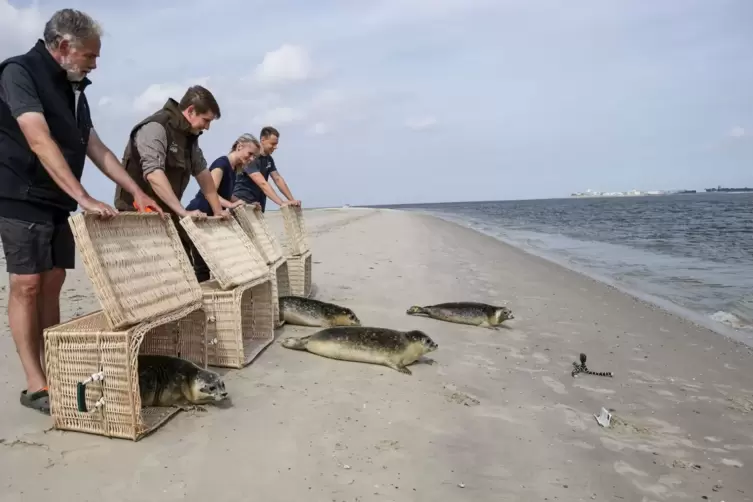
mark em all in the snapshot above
pixel 172 381
pixel 309 312
pixel 388 347
pixel 473 313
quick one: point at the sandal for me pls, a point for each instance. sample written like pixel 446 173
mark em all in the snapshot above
pixel 39 400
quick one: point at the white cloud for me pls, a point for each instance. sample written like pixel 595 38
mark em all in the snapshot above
pixel 738 132
pixel 319 129
pixel 19 28
pixel 155 95
pixel 280 116
pixel 289 63
pixel 421 123
pixel 104 101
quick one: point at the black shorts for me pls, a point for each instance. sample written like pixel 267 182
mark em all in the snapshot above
pixel 33 248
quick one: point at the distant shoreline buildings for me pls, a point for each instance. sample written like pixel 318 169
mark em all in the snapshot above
pixel 640 193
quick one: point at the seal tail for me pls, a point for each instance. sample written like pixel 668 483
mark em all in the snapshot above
pixel 415 310
pixel 296 343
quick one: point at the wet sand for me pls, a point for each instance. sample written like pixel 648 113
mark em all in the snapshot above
pixel 498 417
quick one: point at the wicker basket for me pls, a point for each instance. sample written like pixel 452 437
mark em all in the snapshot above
pixel 151 304
pixel 137 265
pixel 296 238
pixel 228 252
pixel 297 251
pixel 110 405
pixel 252 221
pixel 299 274
pixel 240 322
pixel 240 299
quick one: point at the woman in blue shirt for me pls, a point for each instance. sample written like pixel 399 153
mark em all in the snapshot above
pixel 223 171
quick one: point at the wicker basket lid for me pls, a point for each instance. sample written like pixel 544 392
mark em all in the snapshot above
pixel 252 221
pixel 228 252
pixel 137 265
pixel 295 230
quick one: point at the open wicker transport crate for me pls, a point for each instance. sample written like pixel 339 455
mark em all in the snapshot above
pixel 92 370
pixel 252 221
pixel 297 251
pixel 151 304
pixel 239 299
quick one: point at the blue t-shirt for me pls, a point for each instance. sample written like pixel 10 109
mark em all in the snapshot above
pixel 225 190
pixel 246 189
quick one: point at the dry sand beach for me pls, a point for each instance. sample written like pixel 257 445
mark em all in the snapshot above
pixel 496 418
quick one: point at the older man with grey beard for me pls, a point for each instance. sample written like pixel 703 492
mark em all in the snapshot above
pixel 46 134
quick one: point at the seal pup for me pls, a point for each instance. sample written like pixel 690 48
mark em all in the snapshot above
pixel 388 347
pixel 309 312
pixel 473 313
pixel 172 381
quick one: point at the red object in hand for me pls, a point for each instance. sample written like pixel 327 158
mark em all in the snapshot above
pixel 147 210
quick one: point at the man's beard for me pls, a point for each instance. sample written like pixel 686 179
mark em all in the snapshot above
pixel 74 72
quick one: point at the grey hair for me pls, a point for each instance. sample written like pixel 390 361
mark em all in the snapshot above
pixel 72 25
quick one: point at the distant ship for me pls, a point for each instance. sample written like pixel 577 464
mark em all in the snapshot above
pixel 727 190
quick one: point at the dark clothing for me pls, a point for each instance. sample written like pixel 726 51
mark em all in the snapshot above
pixel 200 267
pixel 246 189
pixel 33 248
pixel 179 157
pixel 36 82
pixel 225 190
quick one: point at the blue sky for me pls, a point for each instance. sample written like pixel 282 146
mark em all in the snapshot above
pixel 399 101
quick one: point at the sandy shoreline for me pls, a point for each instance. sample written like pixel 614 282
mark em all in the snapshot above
pixel 498 417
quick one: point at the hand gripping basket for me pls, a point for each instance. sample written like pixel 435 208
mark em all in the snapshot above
pixel 252 221
pixel 297 251
pixel 238 300
pixel 151 304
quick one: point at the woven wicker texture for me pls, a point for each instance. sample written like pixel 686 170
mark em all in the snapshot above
pixel 299 274
pixel 252 222
pixel 79 348
pixel 296 242
pixel 280 286
pixel 228 252
pixel 240 322
pixel 137 265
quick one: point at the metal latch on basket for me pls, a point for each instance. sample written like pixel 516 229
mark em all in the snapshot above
pixel 81 392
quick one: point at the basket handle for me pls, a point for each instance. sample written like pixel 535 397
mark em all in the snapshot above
pixel 81 390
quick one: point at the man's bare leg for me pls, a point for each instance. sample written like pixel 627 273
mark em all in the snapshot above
pixel 23 319
pixel 49 304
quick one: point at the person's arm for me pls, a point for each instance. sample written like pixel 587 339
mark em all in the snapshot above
pixel 216 173
pixel 105 160
pixel 280 182
pixel 151 143
pixel 206 184
pixel 205 181
pixel 265 187
pixel 24 104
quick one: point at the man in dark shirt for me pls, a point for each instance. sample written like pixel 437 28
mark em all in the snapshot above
pixel 251 184
pixel 46 133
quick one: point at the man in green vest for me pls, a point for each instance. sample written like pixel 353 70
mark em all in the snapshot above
pixel 163 153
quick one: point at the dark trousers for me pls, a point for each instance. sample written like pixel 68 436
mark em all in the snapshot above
pixel 200 268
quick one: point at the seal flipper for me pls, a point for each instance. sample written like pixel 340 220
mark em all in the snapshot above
pixel 398 367
pixel 296 343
